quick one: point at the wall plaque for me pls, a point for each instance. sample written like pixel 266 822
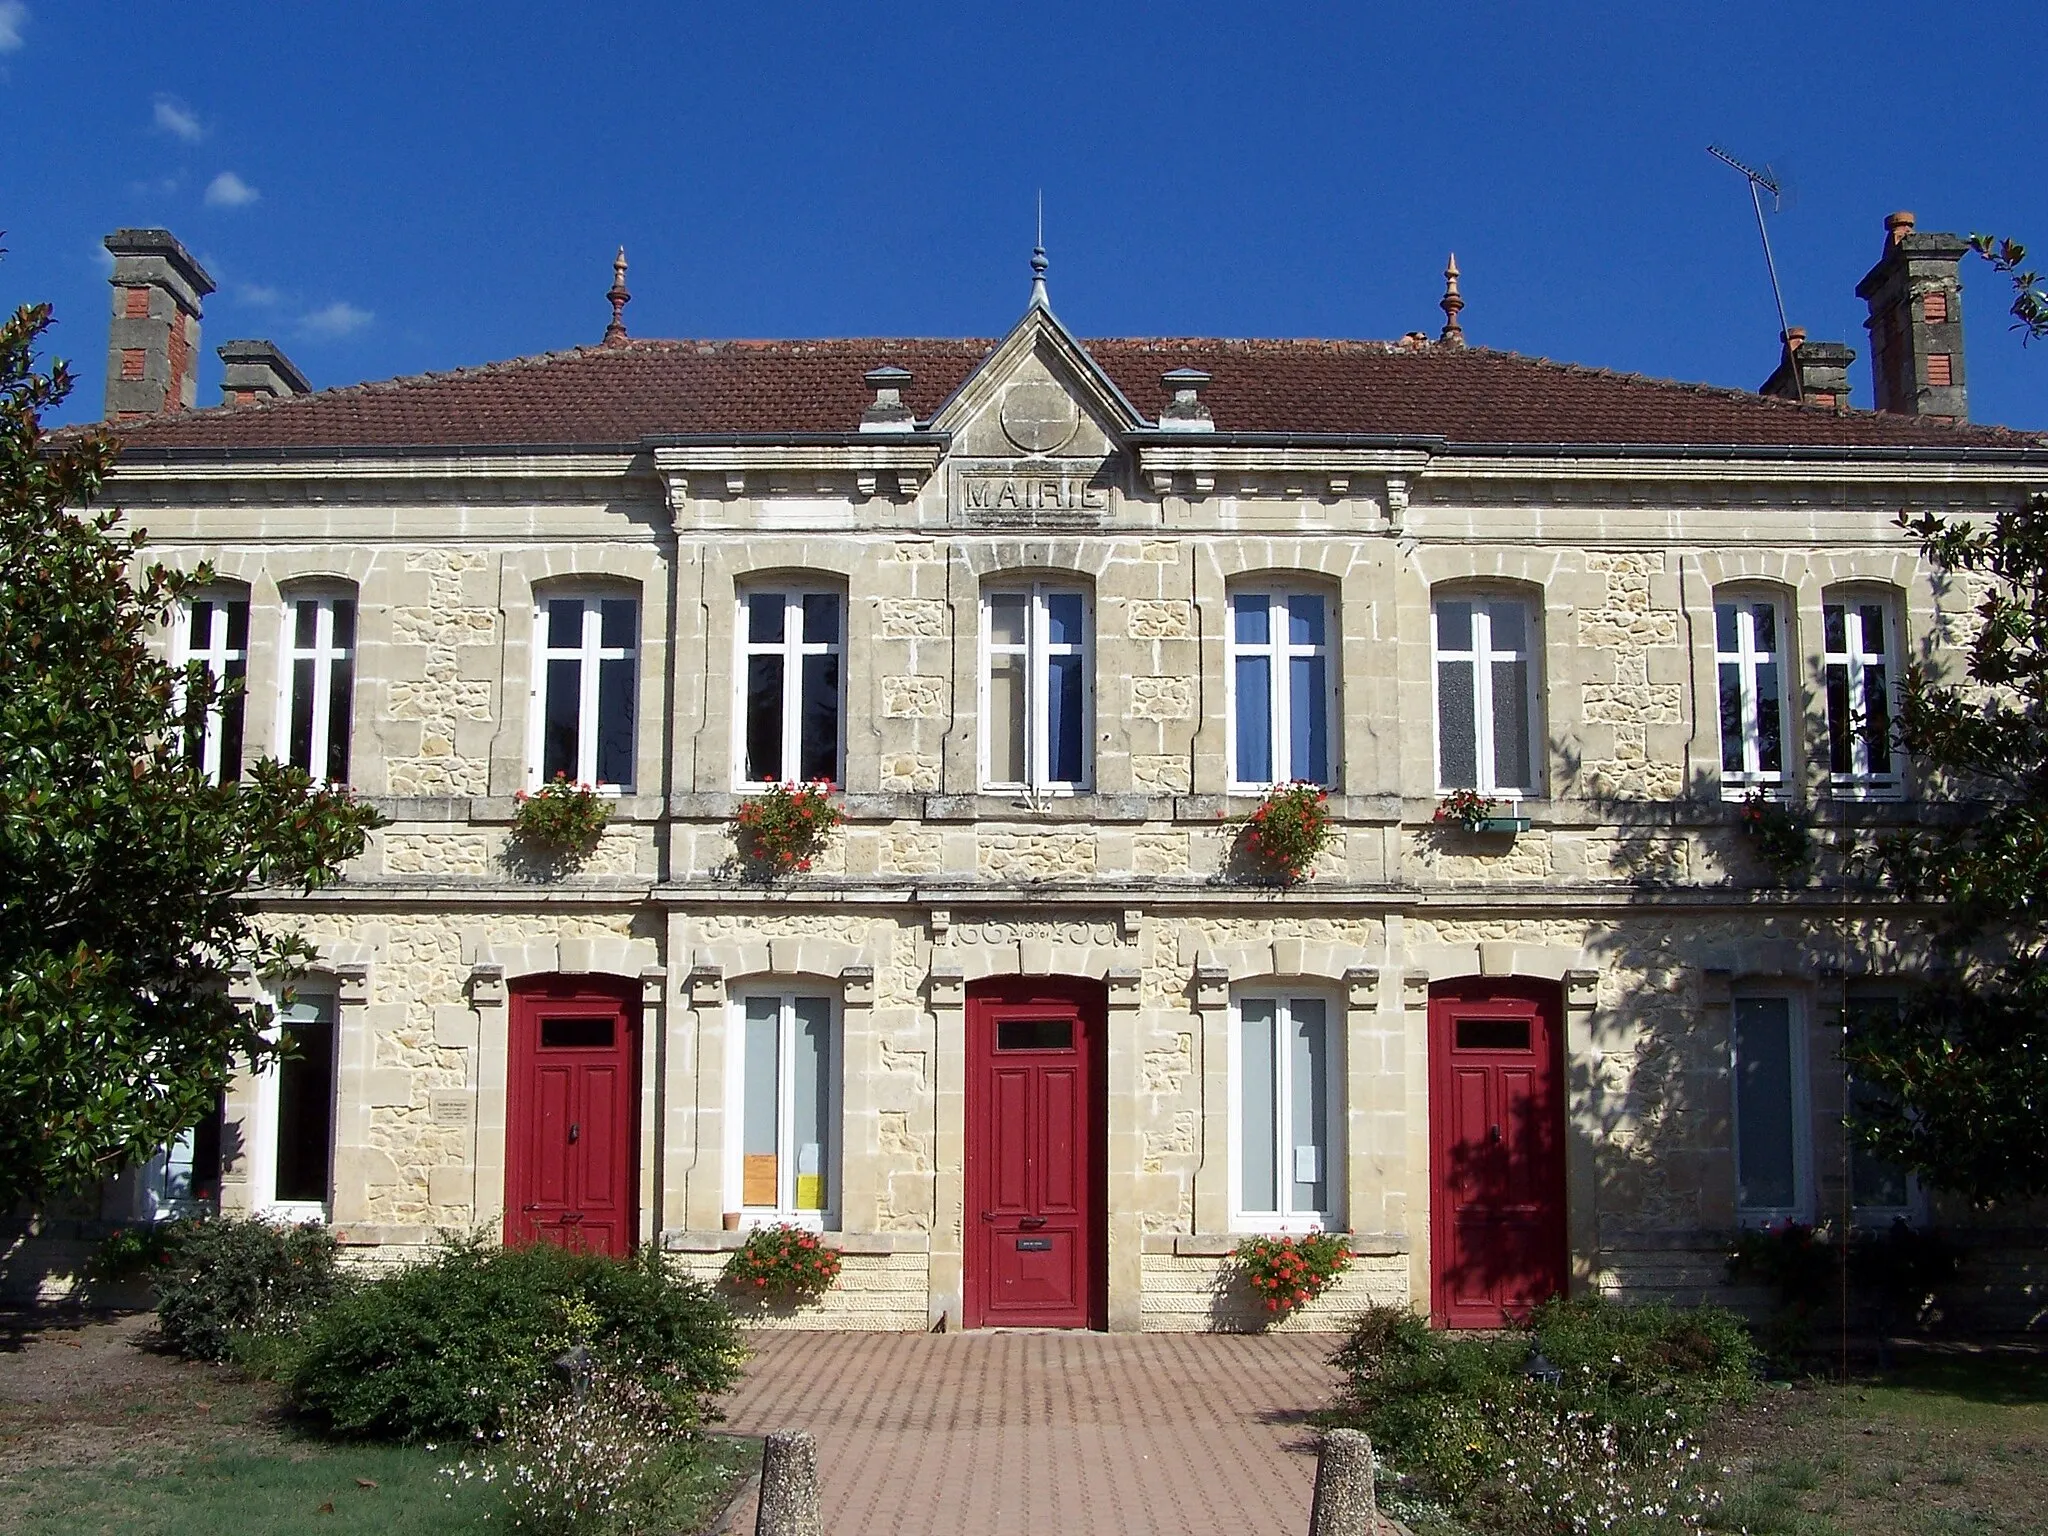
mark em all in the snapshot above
pixel 1046 493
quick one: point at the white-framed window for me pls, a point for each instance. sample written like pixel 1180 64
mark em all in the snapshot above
pixel 791 694
pixel 317 684
pixel 1282 694
pixel 184 1178
pixel 1487 726
pixel 1285 1112
pixel 1880 1191
pixel 783 1142
pixel 585 688
pixel 291 1169
pixel 1035 688
pixel 1773 1126
pixel 1859 633
pixel 213 634
pixel 1749 635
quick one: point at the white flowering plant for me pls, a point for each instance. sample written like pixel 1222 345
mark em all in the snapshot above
pixel 603 1457
pixel 1587 1422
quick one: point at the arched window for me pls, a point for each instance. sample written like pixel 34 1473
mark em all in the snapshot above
pixel 1035 692
pixel 1282 693
pixel 585 687
pixel 791 684
pixel 1749 655
pixel 1860 635
pixel 212 636
pixel 783 1141
pixel 317 655
pixel 1286 1111
pixel 1488 724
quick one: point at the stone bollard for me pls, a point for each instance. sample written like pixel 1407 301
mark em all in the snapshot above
pixel 789 1486
pixel 1344 1503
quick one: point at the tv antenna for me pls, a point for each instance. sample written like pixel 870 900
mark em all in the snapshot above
pixel 1761 181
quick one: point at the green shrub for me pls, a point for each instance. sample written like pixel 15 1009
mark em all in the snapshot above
pixel 225 1278
pixel 452 1345
pixel 1473 1433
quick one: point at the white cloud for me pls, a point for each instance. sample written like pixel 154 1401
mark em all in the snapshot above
pixel 227 190
pixel 259 295
pixel 338 319
pixel 178 120
pixel 13 17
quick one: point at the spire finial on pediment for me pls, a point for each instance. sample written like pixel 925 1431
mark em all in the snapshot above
pixel 1453 334
pixel 615 333
pixel 1039 263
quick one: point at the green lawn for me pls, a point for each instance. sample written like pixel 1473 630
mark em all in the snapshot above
pixel 1947 1445
pixel 298 1485
pixel 294 1487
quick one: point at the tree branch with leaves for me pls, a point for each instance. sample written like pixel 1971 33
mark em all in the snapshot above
pixel 126 879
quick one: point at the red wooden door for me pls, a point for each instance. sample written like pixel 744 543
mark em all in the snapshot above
pixel 1036 1214
pixel 569 1115
pixel 1497 1177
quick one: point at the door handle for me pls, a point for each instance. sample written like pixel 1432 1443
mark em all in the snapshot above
pixel 1032 1222
pixel 575 1130
pixel 988 1215
pixel 1492 1135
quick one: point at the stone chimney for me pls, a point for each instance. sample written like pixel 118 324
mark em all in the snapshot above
pixel 887 412
pixel 1812 372
pixel 153 347
pixel 1916 322
pixel 1186 411
pixel 256 370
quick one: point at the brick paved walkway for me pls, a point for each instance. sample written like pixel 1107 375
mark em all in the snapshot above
pixel 1068 1434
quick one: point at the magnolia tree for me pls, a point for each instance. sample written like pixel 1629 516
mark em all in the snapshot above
pixel 1957 1076
pixel 125 877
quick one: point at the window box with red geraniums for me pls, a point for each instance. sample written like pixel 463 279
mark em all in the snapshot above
pixel 1474 812
pixel 560 819
pixel 778 1262
pixel 781 830
pixel 1289 830
pixel 1289 1272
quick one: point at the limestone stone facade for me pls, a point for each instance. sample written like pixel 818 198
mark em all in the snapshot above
pixel 1632 895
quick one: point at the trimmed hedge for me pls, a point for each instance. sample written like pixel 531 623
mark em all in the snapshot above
pixel 451 1346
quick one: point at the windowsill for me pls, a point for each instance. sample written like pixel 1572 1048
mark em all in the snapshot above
pixel 1211 1245
pixel 754 1220
pixel 1278 1226
pixel 879 1243
pixel 295 1213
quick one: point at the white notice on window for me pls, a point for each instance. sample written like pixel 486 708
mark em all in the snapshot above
pixel 1305 1165
pixel 807 1158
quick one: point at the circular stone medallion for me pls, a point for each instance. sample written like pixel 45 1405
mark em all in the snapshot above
pixel 1040 417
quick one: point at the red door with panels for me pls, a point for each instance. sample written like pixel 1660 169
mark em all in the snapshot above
pixel 570 1122
pixel 1497 1170
pixel 1036 1212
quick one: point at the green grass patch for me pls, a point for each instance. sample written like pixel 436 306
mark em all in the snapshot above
pixel 297 1487
pixel 320 1488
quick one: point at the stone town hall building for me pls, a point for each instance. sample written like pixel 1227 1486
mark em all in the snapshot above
pixel 1027 1045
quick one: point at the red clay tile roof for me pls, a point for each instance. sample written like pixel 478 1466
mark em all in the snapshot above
pixel 614 396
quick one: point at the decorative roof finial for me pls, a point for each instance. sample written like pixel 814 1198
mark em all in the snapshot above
pixel 615 333
pixel 1453 334
pixel 1038 261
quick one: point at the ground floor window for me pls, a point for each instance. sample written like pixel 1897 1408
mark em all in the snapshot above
pixel 786 1095
pixel 1283 1079
pixel 292 1171
pixel 1880 1191
pixel 1771 1134
pixel 184 1178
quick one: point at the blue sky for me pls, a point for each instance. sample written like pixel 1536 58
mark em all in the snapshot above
pixel 387 188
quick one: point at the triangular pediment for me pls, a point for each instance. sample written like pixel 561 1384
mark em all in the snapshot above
pixel 1037 395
